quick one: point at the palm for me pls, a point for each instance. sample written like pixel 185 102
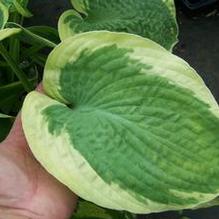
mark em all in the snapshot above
pixel 25 187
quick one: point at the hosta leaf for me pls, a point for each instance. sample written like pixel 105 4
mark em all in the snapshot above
pixel 80 6
pixel 7 32
pixel 171 6
pixel 152 19
pixel 126 124
pixel 3 15
pixel 212 203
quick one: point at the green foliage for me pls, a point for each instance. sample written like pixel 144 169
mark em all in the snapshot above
pixel 3 15
pixel 8 32
pixel 28 36
pixel 3 116
pixel 19 6
pixel 20 63
pixel 21 10
pixel 151 19
pixel 9 97
pixel 108 86
pixel 87 210
pixel 116 95
pixel 5 125
pixel 45 32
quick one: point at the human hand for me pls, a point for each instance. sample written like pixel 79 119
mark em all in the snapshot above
pixel 27 191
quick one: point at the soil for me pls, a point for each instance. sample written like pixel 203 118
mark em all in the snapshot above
pixel 198 45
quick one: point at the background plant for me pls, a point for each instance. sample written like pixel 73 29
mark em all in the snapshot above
pixel 22 57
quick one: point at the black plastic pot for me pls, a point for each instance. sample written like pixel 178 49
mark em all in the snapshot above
pixel 197 4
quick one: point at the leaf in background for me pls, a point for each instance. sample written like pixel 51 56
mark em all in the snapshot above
pixel 22 10
pixel 133 126
pixel 11 104
pixel 30 37
pixel 3 15
pixel 7 32
pixel 11 7
pixel 87 210
pixel 4 116
pixel 5 126
pixel 151 19
pixel 10 97
pixel 46 32
pixel 7 3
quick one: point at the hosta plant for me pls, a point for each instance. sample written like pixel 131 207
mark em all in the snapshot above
pixel 125 124
pixel 122 122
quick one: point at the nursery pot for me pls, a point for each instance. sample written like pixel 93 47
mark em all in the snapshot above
pixel 197 4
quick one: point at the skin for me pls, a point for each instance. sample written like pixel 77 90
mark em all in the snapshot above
pixel 27 191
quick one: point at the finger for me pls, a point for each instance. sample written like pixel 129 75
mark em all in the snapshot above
pixel 40 88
